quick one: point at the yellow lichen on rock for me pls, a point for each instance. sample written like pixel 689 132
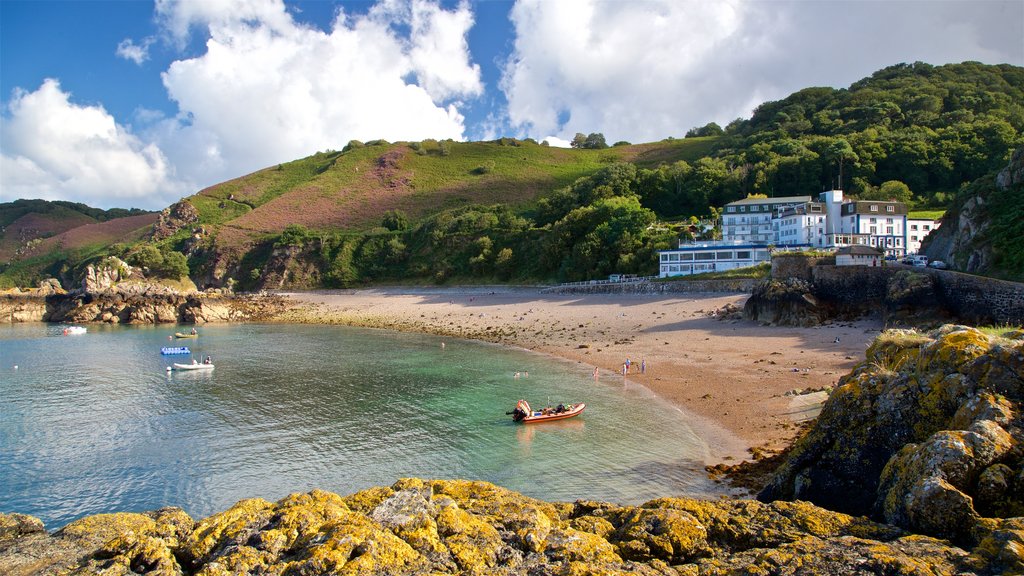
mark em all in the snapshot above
pixel 237 524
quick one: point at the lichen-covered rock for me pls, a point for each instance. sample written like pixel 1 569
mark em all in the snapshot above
pixel 420 527
pixel 925 434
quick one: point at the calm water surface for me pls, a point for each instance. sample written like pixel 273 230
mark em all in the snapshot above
pixel 94 423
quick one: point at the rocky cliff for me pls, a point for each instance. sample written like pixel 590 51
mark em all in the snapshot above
pixel 926 434
pixel 966 238
pixel 462 527
pixel 138 304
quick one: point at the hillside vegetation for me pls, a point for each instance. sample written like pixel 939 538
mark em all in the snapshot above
pixel 516 210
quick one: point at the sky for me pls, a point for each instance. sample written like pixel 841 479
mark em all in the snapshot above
pixel 132 103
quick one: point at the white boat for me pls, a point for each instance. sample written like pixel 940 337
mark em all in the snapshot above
pixel 195 366
pixel 74 330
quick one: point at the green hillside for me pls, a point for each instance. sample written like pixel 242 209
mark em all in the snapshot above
pixel 515 210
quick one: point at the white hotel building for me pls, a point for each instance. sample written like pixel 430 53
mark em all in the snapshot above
pixel 751 225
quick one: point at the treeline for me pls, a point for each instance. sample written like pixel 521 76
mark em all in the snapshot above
pixel 11 211
pixel 933 128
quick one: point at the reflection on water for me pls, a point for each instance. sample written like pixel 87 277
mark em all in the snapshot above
pixel 95 424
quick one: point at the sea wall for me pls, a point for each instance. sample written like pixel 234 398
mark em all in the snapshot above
pixel 968 298
pixel 417 527
pixel 730 285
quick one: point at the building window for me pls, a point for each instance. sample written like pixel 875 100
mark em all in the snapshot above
pixel 913 226
pixel 874 208
pixel 743 208
pixel 730 209
pixel 743 255
pixel 926 227
pixel 673 257
pixel 873 230
pixel 888 230
pixel 888 220
pixel 890 208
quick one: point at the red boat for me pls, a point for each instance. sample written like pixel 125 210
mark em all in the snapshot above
pixel 523 413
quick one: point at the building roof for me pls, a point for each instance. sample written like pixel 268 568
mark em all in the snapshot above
pixel 778 200
pixel 864 207
pixel 859 250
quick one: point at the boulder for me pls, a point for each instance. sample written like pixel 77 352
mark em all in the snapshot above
pixel 925 434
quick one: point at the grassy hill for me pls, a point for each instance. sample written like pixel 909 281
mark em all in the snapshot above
pixel 350 190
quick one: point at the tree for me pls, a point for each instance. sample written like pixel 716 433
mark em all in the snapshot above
pixel 578 140
pixel 896 190
pixel 175 265
pixel 709 129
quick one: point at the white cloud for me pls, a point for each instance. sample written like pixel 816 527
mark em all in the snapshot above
pixel 137 53
pixel 54 149
pixel 641 71
pixel 269 90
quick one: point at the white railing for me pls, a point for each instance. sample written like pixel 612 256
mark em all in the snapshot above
pixel 628 280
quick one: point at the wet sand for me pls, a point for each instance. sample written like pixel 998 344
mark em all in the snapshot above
pixel 731 375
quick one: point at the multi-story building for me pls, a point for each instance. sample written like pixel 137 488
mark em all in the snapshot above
pixel 876 223
pixel 800 225
pixel 750 220
pixel 917 229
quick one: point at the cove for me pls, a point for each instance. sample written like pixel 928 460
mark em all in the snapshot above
pixel 93 423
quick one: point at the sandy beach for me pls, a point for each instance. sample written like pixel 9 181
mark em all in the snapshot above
pixel 730 375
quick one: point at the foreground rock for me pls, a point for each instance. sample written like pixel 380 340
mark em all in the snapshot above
pixel 926 434
pixel 462 527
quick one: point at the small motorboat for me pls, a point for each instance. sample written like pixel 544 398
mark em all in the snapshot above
pixel 74 330
pixel 523 413
pixel 184 335
pixel 166 350
pixel 193 366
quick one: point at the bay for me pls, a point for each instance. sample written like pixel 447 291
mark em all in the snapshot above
pixel 94 423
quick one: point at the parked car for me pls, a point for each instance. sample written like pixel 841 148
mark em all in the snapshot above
pixel 938 264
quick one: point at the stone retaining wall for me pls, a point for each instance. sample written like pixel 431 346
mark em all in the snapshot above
pixel 973 299
pixel 677 287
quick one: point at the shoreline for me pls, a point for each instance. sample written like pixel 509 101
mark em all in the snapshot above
pixel 732 378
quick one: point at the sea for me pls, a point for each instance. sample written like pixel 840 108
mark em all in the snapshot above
pixel 94 423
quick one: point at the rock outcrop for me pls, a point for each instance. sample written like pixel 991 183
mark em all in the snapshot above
pixel 926 434
pixel 105 275
pixel 141 305
pixel 463 527
pixel 175 217
pixel 785 302
pixel 963 238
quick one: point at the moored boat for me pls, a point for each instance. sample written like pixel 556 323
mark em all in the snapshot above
pixel 194 366
pixel 523 413
pixel 74 330
pixel 183 335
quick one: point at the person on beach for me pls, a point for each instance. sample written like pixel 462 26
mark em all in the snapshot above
pixel 595 372
pixel 643 365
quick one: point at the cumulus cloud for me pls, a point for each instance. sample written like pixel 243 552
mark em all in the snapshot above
pixel 137 53
pixel 268 89
pixel 642 71
pixel 54 149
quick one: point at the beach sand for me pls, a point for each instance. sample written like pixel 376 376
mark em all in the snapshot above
pixel 730 376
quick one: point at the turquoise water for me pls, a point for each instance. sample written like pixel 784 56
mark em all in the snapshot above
pixel 94 423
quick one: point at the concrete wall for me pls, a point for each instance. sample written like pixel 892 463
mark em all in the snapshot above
pixel 678 287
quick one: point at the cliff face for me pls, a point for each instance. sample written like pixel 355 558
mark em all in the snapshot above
pixel 138 305
pixel 964 239
pixel 461 527
pixel 926 434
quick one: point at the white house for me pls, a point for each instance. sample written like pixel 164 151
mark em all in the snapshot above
pixel 712 256
pixel 881 224
pixel 800 225
pixel 859 256
pixel 750 220
pixel 917 229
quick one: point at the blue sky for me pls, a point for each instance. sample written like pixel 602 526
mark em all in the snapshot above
pixel 138 103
